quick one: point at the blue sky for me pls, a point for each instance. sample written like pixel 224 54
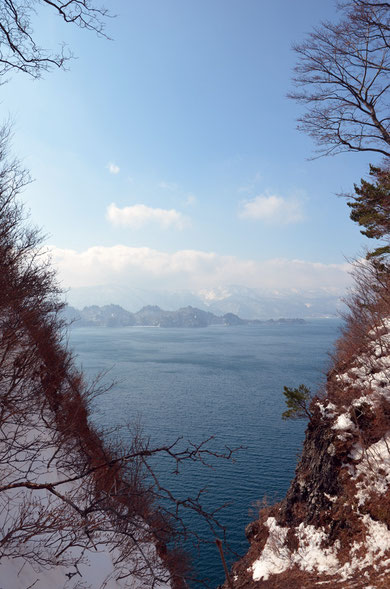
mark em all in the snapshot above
pixel 168 157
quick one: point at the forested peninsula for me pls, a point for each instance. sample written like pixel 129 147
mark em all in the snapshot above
pixel 154 316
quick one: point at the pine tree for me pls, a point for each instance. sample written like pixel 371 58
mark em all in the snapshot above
pixel 297 401
pixel 370 208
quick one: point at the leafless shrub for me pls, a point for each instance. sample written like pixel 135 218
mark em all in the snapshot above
pixel 63 490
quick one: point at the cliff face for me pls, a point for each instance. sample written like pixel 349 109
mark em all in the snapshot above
pixel 333 527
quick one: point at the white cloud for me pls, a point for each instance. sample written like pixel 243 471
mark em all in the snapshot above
pixel 136 216
pixel 273 209
pixel 113 168
pixel 192 269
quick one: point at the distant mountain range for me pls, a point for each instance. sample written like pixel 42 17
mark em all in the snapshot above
pixel 153 316
pixel 245 302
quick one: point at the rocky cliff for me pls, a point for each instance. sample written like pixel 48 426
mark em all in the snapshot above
pixel 333 527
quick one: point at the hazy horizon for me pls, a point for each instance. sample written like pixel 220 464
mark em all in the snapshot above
pixel 168 158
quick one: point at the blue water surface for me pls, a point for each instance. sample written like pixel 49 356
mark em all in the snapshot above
pixel 220 381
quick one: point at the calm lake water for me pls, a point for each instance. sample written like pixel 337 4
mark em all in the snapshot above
pixel 221 381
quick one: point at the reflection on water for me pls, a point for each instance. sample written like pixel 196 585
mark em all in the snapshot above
pixel 222 381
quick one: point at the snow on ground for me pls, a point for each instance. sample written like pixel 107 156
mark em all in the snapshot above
pixel 344 422
pixel 371 472
pixel 311 555
pixel 328 410
pixel 370 369
pixel 275 557
pixel 369 374
pixel 98 571
pixel 375 547
pixel 369 468
pixel 43 544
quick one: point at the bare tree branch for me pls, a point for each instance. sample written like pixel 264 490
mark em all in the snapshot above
pixel 63 489
pixel 342 76
pixel 19 49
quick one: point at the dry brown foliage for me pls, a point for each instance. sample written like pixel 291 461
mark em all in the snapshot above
pixel 61 485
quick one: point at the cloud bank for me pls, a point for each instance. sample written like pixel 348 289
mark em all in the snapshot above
pixel 143 267
pixel 137 216
pixel 273 209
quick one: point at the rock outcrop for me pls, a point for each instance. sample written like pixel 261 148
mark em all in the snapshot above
pixel 333 527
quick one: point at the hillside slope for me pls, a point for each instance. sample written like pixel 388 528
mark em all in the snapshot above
pixel 55 533
pixel 74 510
pixel 333 527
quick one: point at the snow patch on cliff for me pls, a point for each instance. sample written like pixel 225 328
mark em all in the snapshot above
pixel 275 557
pixel 344 422
pixel 370 370
pixel 376 546
pixel 327 410
pixel 310 555
pixel 359 476
pixel 372 472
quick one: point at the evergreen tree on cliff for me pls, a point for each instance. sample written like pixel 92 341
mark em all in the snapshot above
pixel 342 77
pixel 370 208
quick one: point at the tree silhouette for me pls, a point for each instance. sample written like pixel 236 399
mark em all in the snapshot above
pixel 64 492
pixel 19 48
pixel 342 76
